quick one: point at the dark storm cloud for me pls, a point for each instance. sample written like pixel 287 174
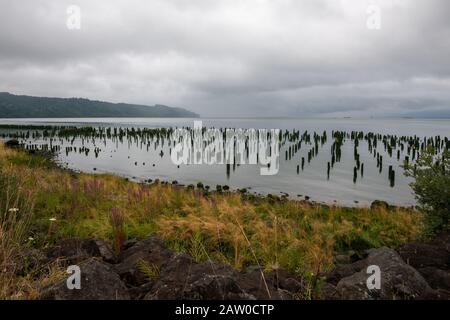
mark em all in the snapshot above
pixel 234 58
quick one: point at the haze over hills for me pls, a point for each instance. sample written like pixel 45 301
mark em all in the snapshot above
pixel 21 106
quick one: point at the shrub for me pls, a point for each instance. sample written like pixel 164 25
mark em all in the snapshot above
pixel 431 186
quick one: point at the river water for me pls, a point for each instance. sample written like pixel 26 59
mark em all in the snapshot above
pixel 132 160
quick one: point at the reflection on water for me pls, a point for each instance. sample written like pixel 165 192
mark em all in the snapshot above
pixel 347 161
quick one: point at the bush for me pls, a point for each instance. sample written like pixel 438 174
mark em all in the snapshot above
pixel 431 186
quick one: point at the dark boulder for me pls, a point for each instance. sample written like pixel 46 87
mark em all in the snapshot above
pixel 150 251
pixel 398 280
pixel 179 276
pixel 329 291
pixel 147 269
pixel 421 255
pixel 432 260
pixel 138 293
pixel 379 204
pixel 13 143
pixel 442 240
pixel 76 250
pixel 343 271
pixel 437 279
pixel 183 278
pixel 276 284
pixel 129 243
pixel 98 282
pixel 342 259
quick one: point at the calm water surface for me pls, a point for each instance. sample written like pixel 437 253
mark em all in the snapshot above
pixel 133 160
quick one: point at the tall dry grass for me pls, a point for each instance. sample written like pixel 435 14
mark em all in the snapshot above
pixel 16 209
pixel 230 227
pixel 117 220
pixel 296 236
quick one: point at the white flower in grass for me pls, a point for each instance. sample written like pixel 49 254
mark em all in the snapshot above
pixel 13 210
pixel 52 219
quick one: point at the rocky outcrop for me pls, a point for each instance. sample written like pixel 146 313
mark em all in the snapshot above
pixel 437 279
pixel 147 269
pixel 277 284
pixel 77 250
pixel 421 255
pixel 183 278
pixel 415 271
pixel 398 280
pixel 432 260
pixel 344 271
pixel 150 251
pixel 99 281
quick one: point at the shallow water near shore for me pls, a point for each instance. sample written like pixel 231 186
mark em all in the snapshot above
pixel 139 161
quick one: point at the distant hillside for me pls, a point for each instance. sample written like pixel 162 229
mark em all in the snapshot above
pixel 15 106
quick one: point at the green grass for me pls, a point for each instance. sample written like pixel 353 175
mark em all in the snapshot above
pixel 150 270
pixel 234 228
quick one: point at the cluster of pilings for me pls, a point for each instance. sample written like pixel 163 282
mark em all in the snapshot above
pixel 299 147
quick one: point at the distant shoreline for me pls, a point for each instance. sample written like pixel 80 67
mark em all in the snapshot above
pixel 21 106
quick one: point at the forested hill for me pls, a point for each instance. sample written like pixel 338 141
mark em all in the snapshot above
pixel 19 106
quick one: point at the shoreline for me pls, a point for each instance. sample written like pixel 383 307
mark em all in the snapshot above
pixel 249 189
pixel 247 237
pixel 230 189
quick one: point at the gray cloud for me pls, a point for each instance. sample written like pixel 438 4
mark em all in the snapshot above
pixel 234 58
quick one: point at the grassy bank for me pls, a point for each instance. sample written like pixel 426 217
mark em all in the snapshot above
pixel 41 203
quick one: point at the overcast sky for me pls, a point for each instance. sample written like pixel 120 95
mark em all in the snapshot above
pixel 234 57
